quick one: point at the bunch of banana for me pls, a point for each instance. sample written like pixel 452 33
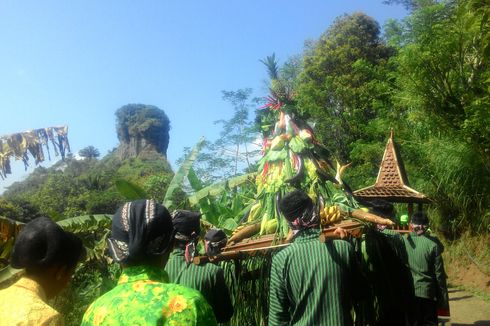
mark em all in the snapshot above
pixel 254 210
pixel 269 227
pixel 329 215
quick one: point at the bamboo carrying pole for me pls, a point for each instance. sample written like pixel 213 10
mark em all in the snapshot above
pixel 250 247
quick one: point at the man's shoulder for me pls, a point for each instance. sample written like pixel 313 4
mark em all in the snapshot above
pixel 175 257
pixel 436 241
pixel 428 240
pixel 423 241
pixel 338 245
pixel 205 271
pixel 283 253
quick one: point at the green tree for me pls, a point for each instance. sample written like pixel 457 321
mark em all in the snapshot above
pixel 156 185
pixel 237 132
pixel 234 150
pixel 9 209
pixel 411 4
pixel 444 69
pixel 442 77
pixel 346 89
pixel 89 152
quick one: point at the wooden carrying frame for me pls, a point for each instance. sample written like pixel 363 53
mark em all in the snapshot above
pixel 252 246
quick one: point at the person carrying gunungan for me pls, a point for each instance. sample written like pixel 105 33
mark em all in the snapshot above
pixel 389 276
pixel 312 283
pixel 214 242
pixel 207 278
pixel 142 237
pixel 427 268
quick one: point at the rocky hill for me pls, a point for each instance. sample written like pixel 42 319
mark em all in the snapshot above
pixel 142 130
pixel 76 187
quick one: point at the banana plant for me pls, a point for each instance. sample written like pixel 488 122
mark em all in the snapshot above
pixel 130 190
pixel 224 203
pixel 8 275
pixel 181 174
pixel 219 187
pixel 92 229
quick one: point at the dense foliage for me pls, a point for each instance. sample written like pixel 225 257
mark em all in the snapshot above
pixel 442 82
pixel 77 187
pixel 345 87
pixel 429 79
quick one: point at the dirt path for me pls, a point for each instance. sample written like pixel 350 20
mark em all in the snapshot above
pixel 467 309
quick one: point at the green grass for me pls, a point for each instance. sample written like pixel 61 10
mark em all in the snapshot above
pixel 467 262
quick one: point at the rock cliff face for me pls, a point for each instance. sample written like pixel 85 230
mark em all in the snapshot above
pixel 143 131
pixel 138 147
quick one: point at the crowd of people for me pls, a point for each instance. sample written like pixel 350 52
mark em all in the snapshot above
pixel 311 282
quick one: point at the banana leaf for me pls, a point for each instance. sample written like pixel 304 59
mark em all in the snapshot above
pixel 229 225
pixel 9 228
pixel 181 174
pixel 194 180
pixel 217 188
pixel 85 223
pixel 8 275
pixel 129 190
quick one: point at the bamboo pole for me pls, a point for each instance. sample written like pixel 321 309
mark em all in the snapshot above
pixel 249 247
pixel 265 244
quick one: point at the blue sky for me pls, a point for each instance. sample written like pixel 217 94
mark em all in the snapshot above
pixel 77 62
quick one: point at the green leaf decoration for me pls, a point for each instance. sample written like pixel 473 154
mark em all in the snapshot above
pixel 297 144
pixel 129 190
pixel 181 174
pixel 278 155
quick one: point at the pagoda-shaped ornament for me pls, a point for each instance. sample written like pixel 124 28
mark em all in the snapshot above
pixel 392 181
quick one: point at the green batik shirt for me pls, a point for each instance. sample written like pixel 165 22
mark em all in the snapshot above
pixel 427 267
pixel 208 279
pixel 312 282
pixel 142 297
